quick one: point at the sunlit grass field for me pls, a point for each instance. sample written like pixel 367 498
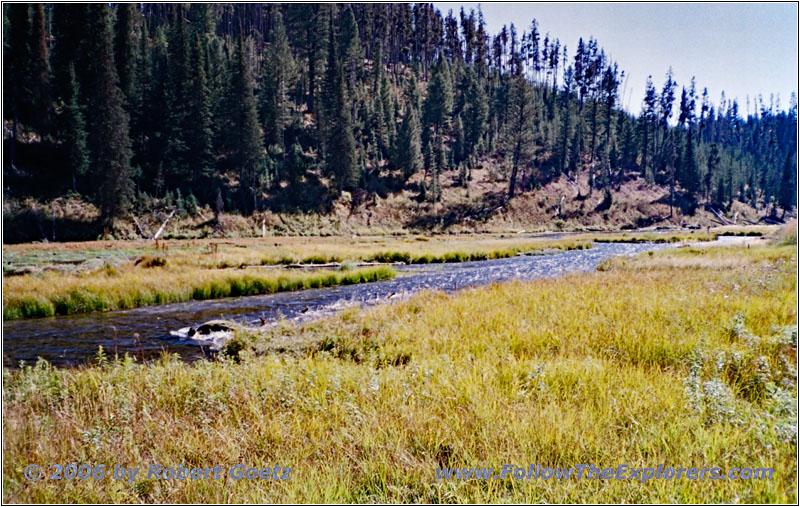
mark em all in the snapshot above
pixel 63 279
pixel 685 358
pixel 45 279
pixel 130 287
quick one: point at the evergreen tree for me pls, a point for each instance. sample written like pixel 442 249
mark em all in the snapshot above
pixel 609 86
pixel 439 102
pixel 110 150
pixel 476 114
pixel 340 156
pixel 409 144
pixel 438 165
pixel 200 138
pixel 520 130
pixel 309 22
pixel 178 95
pixel 246 154
pixel 647 122
pixel 713 163
pixel 279 77
pixel 73 133
pixel 787 196
pixel 295 167
pixel 125 54
pixel 689 176
pixel 185 79
pixel 40 71
pixel 16 75
pixel 69 35
pixel 350 50
pixel 459 142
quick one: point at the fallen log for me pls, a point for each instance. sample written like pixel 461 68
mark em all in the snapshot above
pixel 139 226
pixel 720 217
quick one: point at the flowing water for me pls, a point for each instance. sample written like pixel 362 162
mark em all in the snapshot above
pixel 146 332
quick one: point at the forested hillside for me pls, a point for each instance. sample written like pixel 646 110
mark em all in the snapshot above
pixel 254 107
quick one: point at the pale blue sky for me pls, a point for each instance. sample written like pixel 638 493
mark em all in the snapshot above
pixel 741 48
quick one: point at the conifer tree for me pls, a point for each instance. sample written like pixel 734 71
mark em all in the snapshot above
pixel 294 167
pixel 200 138
pixel 647 120
pixel 439 102
pixel 40 71
pixel 350 50
pixel 110 149
pixel 520 130
pixel 73 133
pixel 689 175
pixel 340 156
pixel 125 49
pixel 69 47
pixel 713 163
pixel 178 95
pixel 16 76
pixel 279 77
pixel 409 145
pixel 243 130
pixel 476 114
pixel 787 196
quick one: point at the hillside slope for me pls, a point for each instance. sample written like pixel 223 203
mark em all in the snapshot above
pixel 480 206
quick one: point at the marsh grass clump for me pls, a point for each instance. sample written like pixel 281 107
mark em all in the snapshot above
pixel 147 261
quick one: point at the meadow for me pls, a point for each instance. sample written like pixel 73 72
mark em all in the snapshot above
pixel 42 280
pixel 45 279
pixel 685 357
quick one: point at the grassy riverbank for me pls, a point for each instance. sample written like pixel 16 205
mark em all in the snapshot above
pixel 277 250
pixel 46 279
pixel 60 279
pixel 131 287
pixel 685 358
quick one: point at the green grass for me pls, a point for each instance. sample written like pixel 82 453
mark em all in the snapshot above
pixel 392 256
pixel 458 256
pixel 132 290
pixel 683 358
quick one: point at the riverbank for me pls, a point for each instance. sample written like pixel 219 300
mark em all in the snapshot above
pixel 132 287
pixel 63 279
pixel 46 279
pixel 683 358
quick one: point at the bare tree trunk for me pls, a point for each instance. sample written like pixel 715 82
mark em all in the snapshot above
pixel 161 229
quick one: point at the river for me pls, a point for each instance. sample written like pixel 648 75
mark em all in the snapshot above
pixel 146 332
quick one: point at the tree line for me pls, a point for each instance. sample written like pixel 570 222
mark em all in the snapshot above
pixel 286 106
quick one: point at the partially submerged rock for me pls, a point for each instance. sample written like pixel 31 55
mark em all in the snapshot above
pixel 213 334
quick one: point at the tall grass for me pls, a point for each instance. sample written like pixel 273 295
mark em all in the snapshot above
pixel 447 256
pixel 680 366
pixel 133 288
pixel 100 276
pixel 460 256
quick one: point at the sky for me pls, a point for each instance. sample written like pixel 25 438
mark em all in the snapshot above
pixel 741 48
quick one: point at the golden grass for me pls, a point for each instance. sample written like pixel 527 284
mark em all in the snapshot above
pixel 681 366
pixel 277 249
pixel 133 286
pixel 67 278
pixel 108 275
